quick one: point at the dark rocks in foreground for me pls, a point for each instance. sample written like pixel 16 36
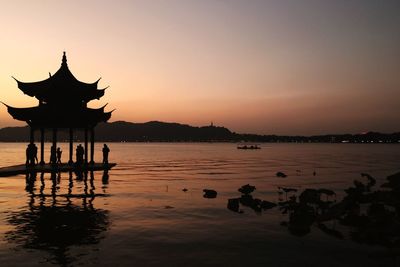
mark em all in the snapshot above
pixel 247 200
pixel 366 215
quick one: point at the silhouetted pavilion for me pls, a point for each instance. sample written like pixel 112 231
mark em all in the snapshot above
pixel 62 105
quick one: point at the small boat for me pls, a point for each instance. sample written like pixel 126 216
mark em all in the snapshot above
pixel 248 147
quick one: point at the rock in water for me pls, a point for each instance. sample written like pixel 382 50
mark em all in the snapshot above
pixel 247 189
pixel 209 193
pixel 281 174
pixel 265 205
pixel 233 205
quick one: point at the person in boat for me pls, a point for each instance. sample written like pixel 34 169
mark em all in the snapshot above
pixel 59 153
pixel 248 147
pixel 106 151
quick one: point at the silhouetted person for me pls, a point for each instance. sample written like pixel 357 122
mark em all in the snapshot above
pixel 31 154
pixel 28 152
pixel 106 150
pixel 34 154
pixel 59 153
pixel 53 157
pixel 80 151
pixel 77 154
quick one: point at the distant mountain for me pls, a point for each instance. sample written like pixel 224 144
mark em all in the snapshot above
pixel 121 131
pixel 14 134
pixel 160 131
pixel 155 131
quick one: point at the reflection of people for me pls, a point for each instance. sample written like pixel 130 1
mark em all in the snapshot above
pixel 59 153
pixel 106 150
pixel 105 177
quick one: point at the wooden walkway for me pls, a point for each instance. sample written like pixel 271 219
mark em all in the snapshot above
pixel 23 169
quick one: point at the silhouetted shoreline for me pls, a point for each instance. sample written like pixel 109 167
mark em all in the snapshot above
pixel 154 131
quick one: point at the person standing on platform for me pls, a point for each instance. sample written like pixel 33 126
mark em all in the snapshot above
pixel 28 154
pixel 31 155
pixel 52 155
pixel 34 154
pixel 59 153
pixel 106 150
pixel 79 154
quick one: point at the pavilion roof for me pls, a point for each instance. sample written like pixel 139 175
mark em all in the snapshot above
pixel 45 116
pixel 62 86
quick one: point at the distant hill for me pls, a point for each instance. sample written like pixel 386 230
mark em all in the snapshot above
pixel 160 131
pixel 121 131
pixel 155 131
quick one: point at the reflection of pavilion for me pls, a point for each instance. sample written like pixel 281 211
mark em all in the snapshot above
pixel 62 105
pixel 56 221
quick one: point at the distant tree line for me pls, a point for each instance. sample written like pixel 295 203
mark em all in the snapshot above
pixel 154 131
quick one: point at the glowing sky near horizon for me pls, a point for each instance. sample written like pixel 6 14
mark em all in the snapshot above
pixel 268 67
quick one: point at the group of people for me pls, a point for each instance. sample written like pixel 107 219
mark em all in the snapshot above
pixel 80 152
pixel 31 154
pixel 56 153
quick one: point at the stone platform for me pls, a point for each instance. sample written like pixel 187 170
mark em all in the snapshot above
pixel 48 168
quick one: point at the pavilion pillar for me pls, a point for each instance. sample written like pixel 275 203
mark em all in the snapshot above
pixel 54 147
pixel 92 145
pixel 32 135
pixel 41 146
pixel 86 145
pixel 71 141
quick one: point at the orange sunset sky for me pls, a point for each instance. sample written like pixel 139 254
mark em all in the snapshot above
pixel 267 67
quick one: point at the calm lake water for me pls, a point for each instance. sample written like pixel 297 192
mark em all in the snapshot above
pixel 138 215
